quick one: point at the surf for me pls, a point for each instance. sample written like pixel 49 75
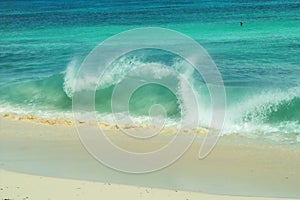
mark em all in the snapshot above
pixel 252 111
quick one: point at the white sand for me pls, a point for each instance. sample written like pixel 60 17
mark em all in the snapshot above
pixel 237 166
pixel 21 186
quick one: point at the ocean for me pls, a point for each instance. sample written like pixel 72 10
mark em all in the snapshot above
pixel 43 43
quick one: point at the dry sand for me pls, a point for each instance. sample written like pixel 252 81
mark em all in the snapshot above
pixel 18 186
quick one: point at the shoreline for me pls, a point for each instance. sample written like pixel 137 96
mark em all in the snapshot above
pixel 237 166
pixel 292 139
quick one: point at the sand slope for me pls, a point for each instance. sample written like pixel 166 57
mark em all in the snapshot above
pixel 237 166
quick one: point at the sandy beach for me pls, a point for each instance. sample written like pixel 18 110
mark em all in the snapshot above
pixel 39 187
pixel 52 159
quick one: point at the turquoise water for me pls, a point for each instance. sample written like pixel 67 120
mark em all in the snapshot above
pixel 43 43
